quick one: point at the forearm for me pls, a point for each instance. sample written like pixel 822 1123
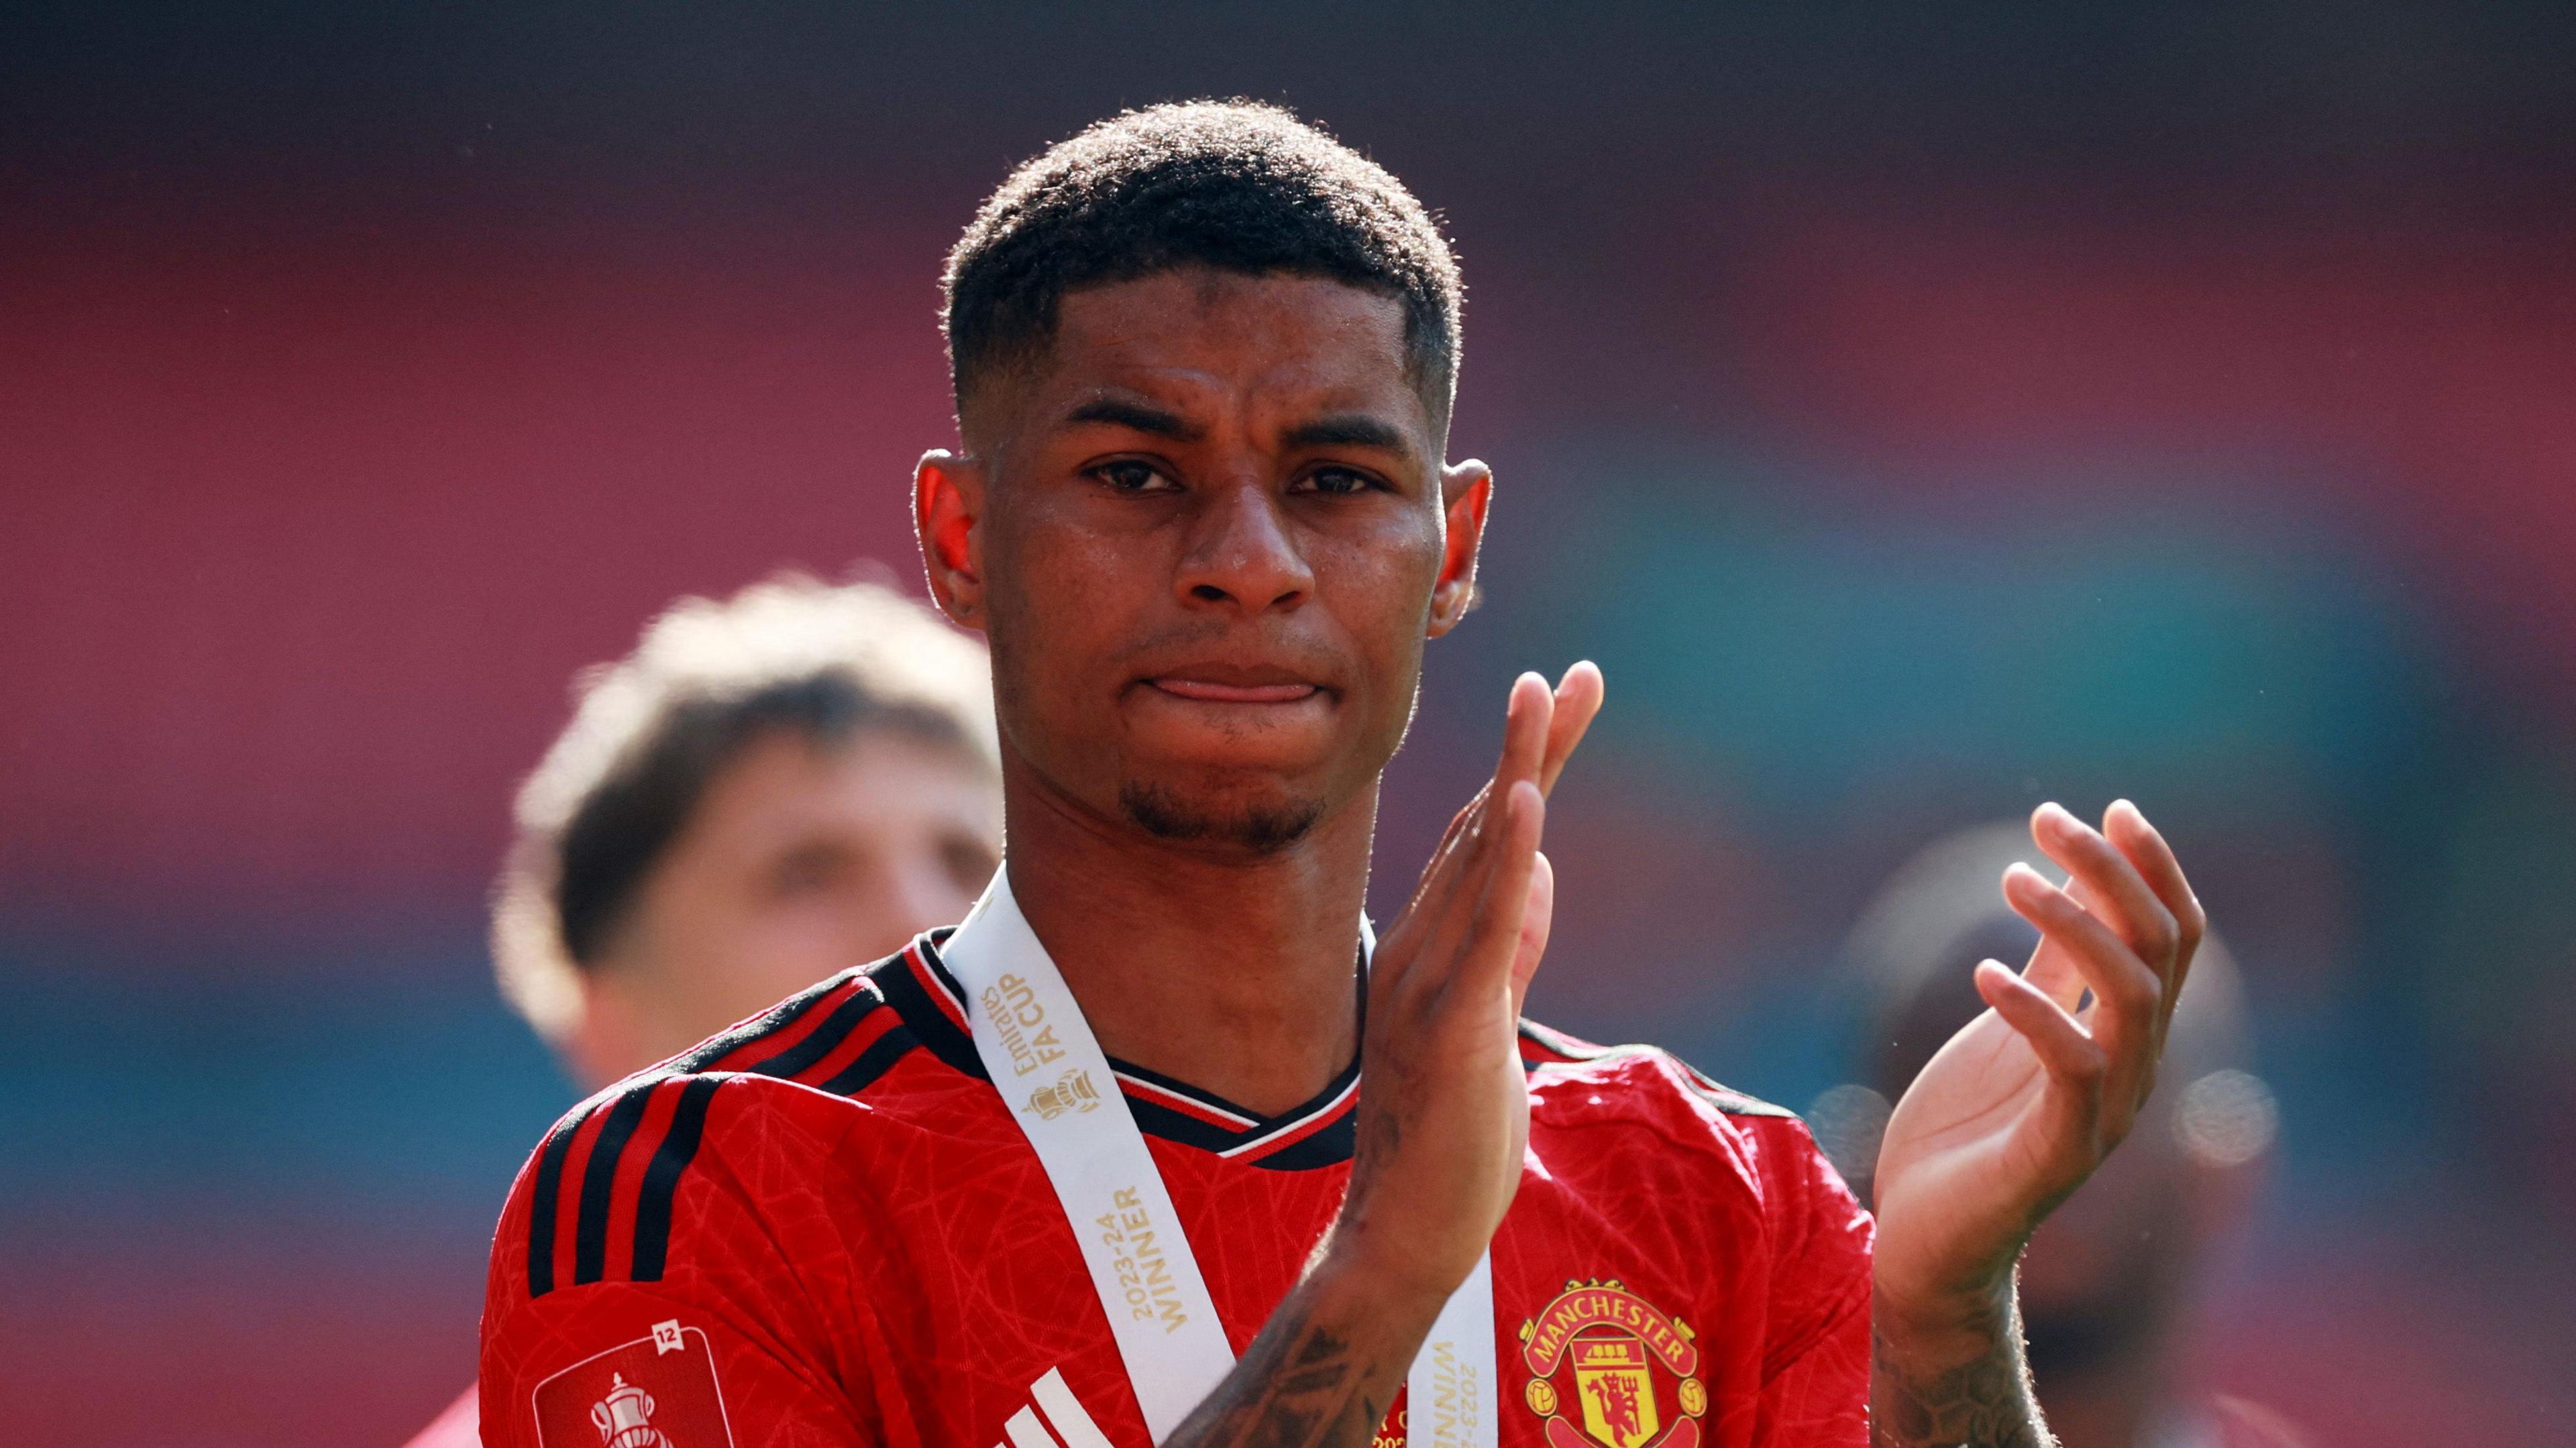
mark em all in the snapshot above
pixel 1323 1370
pixel 1953 1378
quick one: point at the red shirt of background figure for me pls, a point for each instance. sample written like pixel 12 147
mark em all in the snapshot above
pixel 825 1227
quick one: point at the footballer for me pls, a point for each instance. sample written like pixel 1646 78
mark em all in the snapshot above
pixel 1162 1143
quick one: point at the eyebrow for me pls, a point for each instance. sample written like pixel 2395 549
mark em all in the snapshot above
pixel 1340 429
pixel 1349 429
pixel 1137 417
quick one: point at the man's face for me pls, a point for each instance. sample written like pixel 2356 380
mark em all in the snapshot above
pixel 1213 531
pixel 800 861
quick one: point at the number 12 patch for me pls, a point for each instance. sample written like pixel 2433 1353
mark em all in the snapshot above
pixel 658 1391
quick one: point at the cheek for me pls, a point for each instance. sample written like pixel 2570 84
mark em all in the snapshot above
pixel 1056 590
pixel 784 948
pixel 937 895
pixel 1066 621
pixel 1018 629
pixel 1381 583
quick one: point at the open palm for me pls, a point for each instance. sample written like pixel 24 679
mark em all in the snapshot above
pixel 2027 1099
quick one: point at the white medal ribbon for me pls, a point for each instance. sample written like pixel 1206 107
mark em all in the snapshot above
pixel 1042 1057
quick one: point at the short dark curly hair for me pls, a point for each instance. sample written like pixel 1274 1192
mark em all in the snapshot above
pixel 1240 186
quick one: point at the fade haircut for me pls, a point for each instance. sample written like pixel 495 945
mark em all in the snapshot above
pixel 1239 186
pixel 652 731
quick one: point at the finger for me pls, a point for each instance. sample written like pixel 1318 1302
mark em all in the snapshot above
pixel 1461 866
pixel 1578 699
pixel 1437 872
pixel 2053 972
pixel 2126 827
pixel 1450 909
pixel 2127 995
pixel 1520 707
pixel 2108 965
pixel 1536 921
pixel 1525 725
pixel 2071 1115
pixel 1526 714
pixel 1440 866
pixel 2064 1047
pixel 1510 861
pixel 2051 967
pixel 2112 889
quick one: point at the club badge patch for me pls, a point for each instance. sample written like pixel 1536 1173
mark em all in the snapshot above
pixel 1607 1370
pixel 659 1391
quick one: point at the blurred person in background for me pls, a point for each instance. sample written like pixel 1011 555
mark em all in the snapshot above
pixel 769 790
pixel 2111 1283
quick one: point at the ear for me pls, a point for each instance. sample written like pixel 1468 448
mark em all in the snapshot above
pixel 601 1046
pixel 947 504
pixel 1464 490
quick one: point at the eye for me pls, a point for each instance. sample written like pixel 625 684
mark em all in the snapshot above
pixel 970 861
pixel 1134 475
pixel 1335 482
pixel 806 869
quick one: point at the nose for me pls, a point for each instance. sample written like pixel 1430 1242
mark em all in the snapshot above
pixel 1241 553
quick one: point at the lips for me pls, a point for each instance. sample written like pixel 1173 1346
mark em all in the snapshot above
pixel 1221 681
pixel 1212 691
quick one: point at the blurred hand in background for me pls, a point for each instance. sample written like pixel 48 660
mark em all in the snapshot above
pixel 2110 1282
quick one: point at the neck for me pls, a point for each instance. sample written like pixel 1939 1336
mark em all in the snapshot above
pixel 1229 971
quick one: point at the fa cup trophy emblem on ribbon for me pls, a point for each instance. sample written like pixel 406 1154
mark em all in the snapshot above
pixel 1073 1092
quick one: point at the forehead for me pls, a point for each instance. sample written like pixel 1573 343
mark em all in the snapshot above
pixel 787 779
pixel 1201 338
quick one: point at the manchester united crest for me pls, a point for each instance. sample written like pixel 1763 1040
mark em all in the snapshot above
pixel 1607 1370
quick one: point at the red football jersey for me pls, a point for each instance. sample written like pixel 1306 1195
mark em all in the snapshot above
pixel 825 1227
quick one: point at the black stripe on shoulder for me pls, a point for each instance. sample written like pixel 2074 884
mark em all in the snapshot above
pixel 821 1041
pixel 545 1202
pixel 768 1023
pixel 873 1062
pixel 662 1175
pixel 930 945
pixel 1555 1044
pixel 1728 1099
pixel 929 1024
pixel 599 1178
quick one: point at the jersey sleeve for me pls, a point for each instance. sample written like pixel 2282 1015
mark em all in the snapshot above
pixel 646 1289
pixel 1815 1371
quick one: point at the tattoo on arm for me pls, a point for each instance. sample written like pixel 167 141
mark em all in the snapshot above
pixel 1983 1402
pixel 1300 1385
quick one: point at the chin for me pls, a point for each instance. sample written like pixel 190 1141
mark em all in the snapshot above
pixel 1259 819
